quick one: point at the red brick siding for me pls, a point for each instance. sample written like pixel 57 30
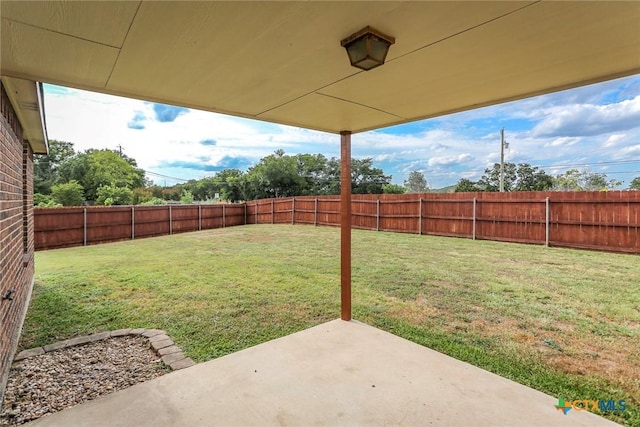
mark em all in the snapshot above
pixel 16 233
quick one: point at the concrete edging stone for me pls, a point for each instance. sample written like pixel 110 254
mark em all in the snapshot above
pixel 160 342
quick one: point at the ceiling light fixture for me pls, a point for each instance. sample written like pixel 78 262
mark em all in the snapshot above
pixel 368 48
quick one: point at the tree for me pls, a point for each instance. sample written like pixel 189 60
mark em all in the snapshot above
pixel 202 189
pixel 521 177
pixel 154 202
pixel 110 195
pixel 416 183
pixel 490 181
pixel 68 194
pixel 366 179
pixel 635 184
pixel 531 178
pixel 141 195
pixel 274 176
pixel 231 184
pixel 466 185
pixel 97 168
pixel 45 167
pixel 313 168
pixel 73 169
pixel 569 181
pixel 576 180
pixel 43 200
pixel 599 182
pixel 393 189
pixel 186 198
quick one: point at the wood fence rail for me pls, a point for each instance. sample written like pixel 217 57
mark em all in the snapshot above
pixel 588 220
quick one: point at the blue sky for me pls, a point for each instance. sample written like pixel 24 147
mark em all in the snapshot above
pixel 594 128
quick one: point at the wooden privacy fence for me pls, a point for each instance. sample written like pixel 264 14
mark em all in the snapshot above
pixel 77 226
pixel 589 220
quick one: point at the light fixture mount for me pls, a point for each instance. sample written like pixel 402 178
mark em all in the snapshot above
pixel 367 48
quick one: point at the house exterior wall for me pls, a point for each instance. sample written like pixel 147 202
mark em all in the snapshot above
pixel 16 233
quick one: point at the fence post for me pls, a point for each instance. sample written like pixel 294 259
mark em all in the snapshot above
pixel 84 239
pixel 224 220
pixel 199 217
pixel 255 212
pixel 378 215
pixel 547 214
pixel 420 217
pixel 293 211
pixel 272 212
pixel 133 222
pixel 315 212
pixel 170 221
pixel 245 213
pixel 474 217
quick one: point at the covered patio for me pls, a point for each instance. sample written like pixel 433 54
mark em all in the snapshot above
pixel 336 374
pixel 283 62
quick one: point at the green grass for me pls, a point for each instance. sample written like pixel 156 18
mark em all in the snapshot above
pixel 565 322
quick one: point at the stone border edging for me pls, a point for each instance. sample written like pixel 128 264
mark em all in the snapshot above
pixel 163 345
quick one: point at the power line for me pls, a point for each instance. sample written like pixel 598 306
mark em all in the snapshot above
pixel 164 176
pixel 612 162
pixel 324 180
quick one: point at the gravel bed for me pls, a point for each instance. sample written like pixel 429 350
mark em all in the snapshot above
pixel 60 379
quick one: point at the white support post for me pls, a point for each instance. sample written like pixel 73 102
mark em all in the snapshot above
pixel 475 204
pixel 547 215
pixel 84 239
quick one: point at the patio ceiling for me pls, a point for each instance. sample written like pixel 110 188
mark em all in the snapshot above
pixel 282 61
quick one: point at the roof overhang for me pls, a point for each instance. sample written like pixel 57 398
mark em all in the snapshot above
pixel 282 61
pixel 27 100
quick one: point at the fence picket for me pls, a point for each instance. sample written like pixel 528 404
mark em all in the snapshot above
pixel 420 217
pixel 475 216
pixel 84 222
pixel 546 225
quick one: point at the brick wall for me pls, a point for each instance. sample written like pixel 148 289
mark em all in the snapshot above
pixel 16 233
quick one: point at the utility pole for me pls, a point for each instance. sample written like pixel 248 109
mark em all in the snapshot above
pixel 119 147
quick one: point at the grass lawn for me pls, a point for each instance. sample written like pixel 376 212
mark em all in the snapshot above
pixel 563 321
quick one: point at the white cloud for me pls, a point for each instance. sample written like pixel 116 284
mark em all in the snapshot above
pixel 630 150
pixel 615 139
pixel 588 119
pixel 563 141
pixel 450 160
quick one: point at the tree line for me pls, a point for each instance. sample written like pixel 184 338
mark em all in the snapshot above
pixel 107 177
pixel 524 177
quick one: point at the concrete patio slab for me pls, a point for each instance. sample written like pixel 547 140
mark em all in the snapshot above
pixel 337 374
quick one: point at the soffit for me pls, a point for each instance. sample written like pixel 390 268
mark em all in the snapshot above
pixel 282 61
pixel 26 99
